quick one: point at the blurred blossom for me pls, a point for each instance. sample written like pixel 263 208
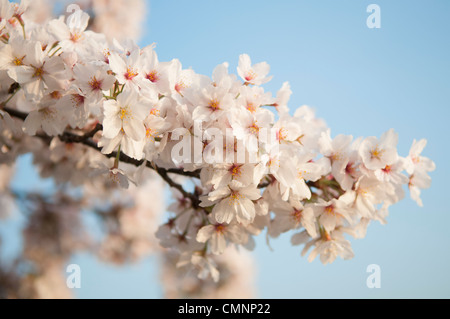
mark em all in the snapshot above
pixel 237 278
pixel 119 19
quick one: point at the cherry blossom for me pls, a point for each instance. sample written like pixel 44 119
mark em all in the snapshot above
pixel 253 74
pixel 109 117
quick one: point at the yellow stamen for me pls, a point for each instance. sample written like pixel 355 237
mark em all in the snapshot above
pixel 220 228
pixel 214 105
pixel 234 196
pixel 250 75
pixel 300 174
pixel 376 152
pixel 180 85
pixel 96 85
pixel 361 192
pixel 75 37
pixel 282 134
pixel 251 107
pixel 125 112
pixel 77 99
pixel 153 76
pixel 38 72
pixel 130 74
pixel 235 170
pixel 150 132
pixel 48 112
pixel 297 215
pixel 336 156
pixel 18 61
pixel 330 209
pixel 155 112
pixel 273 163
pixel 254 128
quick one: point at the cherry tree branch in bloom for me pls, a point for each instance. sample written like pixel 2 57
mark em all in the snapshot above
pixel 102 109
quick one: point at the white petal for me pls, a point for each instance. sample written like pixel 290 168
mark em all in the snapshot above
pixel 218 243
pixel 134 129
pixel 299 238
pixel 205 233
pixel 32 123
pixel 224 211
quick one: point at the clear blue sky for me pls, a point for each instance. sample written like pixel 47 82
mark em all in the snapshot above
pixel 362 82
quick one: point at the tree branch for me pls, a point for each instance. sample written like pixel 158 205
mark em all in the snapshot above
pixel 86 139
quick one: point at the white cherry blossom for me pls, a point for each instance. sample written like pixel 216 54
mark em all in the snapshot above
pixel 253 74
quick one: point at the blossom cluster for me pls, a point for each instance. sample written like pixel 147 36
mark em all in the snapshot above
pixel 251 165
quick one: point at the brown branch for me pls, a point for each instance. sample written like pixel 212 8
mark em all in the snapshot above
pixel 15 113
pixel 195 201
pixel 264 184
pixel 86 139
pixel 268 180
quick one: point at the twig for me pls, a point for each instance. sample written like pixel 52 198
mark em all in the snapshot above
pixel 86 139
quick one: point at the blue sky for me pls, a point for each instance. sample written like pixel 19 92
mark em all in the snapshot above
pixel 362 82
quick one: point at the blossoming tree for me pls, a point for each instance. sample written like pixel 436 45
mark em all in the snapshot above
pixel 109 119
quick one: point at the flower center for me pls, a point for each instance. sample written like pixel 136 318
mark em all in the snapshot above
pixel 18 61
pixel 273 163
pixel 96 85
pixel 250 75
pixel 77 99
pixel 336 156
pixel 180 86
pixel 48 112
pixel 235 170
pixel 251 107
pixel 387 169
pixel 153 76
pixel 234 196
pixel 38 72
pixel 297 215
pixel 349 169
pixel 124 113
pixel 155 112
pixel 75 37
pixel 362 192
pixel 214 105
pixel 149 132
pixel 106 54
pixel 376 152
pixel 56 95
pixel 220 228
pixel 254 129
pixel 13 21
pixel 330 210
pixel 281 134
pixel 130 74
pixel 301 173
